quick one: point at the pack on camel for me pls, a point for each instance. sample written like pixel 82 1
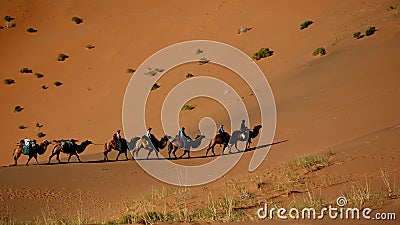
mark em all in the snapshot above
pixel 150 146
pixel 173 145
pixel 68 147
pixel 243 135
pixel 112 145
pixel 32 152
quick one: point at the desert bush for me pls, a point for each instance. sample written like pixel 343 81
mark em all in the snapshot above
pixel 41 134
pixel 189 75
pixel 8 18
pixel 155 86
pixel 39 75
pixel 358 35
pixel 262 53
pixel 1 27
pixel 58 83
pixel 199 51
pixel 306 24
pixel 44 87
pixel 62 57
pixel 88 47
pixel 25 70
pixel 9 81
pixel 77 20
pixel 130 70
pixel 390 8
pixel 21 127
pixel 370 31
pixel 188 107
pixel 31 30
pixel 319 51
pixel 203 60
pixel 18 108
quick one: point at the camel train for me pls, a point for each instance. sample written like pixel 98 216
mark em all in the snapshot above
pixel 146 142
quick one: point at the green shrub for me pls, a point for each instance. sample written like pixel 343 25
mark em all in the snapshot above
pixel 88 47
pixel 155 86
pixel 21 127
pixel 18 108
pixel 188 107
pixel 306 24
pixel 199 51
pixel 130 70
pixel 62 57
pixel 189 75
pixel 25 70
pixel 41 134
pixel 358 35
pixel 262 53
pixel 319 51
pixel 77 20
pixel 9 81
pixel 8 18
pixel 39 75
pixel 370 31
pixel 44 87
pixel 31 30
pixel 58 83
pixel 203 60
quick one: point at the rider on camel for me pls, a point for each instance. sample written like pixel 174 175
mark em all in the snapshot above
pixel 117 139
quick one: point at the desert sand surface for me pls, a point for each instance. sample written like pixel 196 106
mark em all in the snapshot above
pixel 343 104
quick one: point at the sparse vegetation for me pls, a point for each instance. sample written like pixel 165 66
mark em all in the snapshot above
pixel 31 30
pixel 21 127
pixel 62 57
pixel 57 83
pixel 262 53
pixel 9 81
pixel 88 47
pixel 1 27
pixel 390 8
pixel 130 70
pixel 189 75
pixel 8 18
pixel 188 107
pixel 203 60
pixel 319 51
pixel 159 70
pixel 18 108
pixel 25 70
pixel 155 86
pixel 358 35
pixel 41 134
pixel 39 75
pixel 199 51
pixel 44 87
pixel 306 24
pixel 370 31
pixel 77 20
pixel 151 72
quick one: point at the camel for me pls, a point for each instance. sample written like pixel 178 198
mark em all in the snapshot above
pixel 39 149
pixel 154 144
pixel 243 135
pixel 74 149
pixel 173 145
pixel 219 139
pixel 112 145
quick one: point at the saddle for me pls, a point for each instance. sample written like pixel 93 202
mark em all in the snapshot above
pixel 28 146
pixel 67 144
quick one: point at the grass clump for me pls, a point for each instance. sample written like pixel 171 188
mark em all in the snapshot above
pixel 189 75
pixel 21 127
pixel 31 30
pixel 18 108
pixel 41 134
pixel 390 8
pixel 358 35
pixel 306 24
pixel 188 107
pixel 319 51
pixel 44 87
pixel 39 75
pixel 62 57
pixel 88 47
pixel 8 18
pixel 130 70
pixel 9 81
pixel 203 60
pixel 57 83
pixel 370 31
pixel 77 20
pixel 155 86
pixel 199 51
pixel 262 53
pixel 151 72
pixel 25 70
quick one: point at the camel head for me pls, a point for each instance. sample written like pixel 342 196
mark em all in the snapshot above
pixel 86 143
pixel 257 127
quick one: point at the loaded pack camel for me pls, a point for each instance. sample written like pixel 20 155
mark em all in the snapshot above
pixel 150 146
pixel 222 139
pixel 38 149
pixel 112 145
pixel 243 135
pixel 71 149
pixel 173 146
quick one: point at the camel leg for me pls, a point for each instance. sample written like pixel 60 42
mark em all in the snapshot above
pixel 29 159
pixel 236 147
pixel 105 156
pixel 37 163
pixel 77 156
pixel 119 153
pixel 184 153
pixel 149 153
pixel 126 154
pixel 69 157
pixel 157 153
pixel 58 158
